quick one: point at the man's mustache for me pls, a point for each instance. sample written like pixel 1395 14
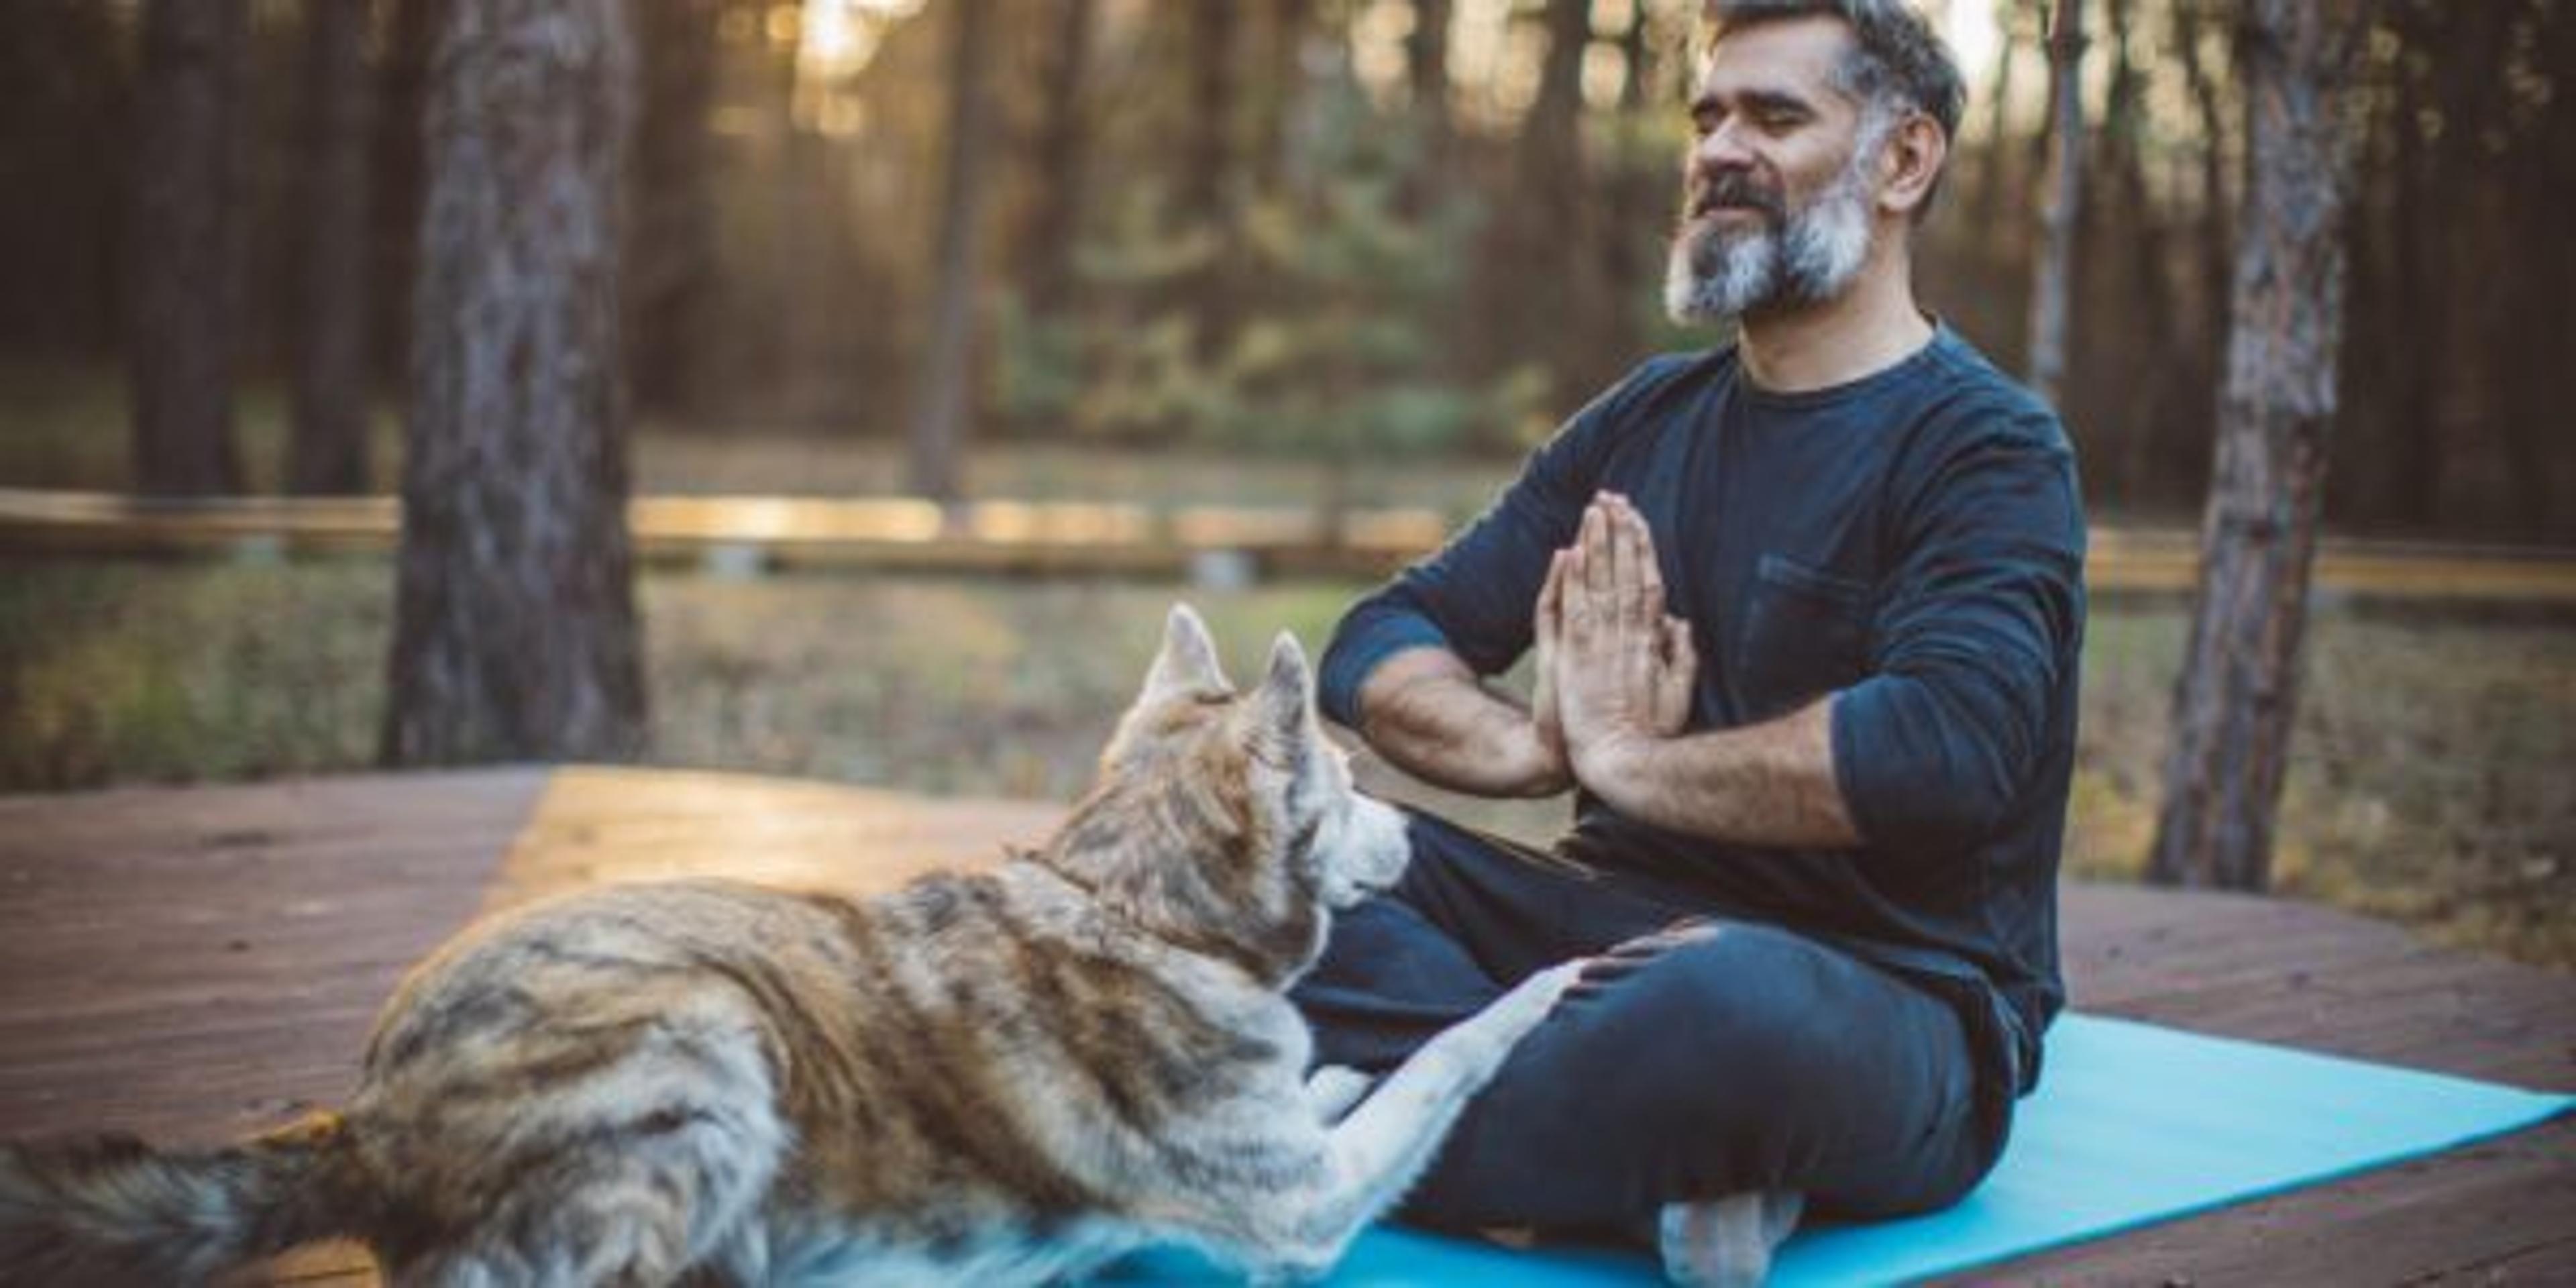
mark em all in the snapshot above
pixel 1735 190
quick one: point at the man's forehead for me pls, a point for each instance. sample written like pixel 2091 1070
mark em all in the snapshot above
pixel 1788 56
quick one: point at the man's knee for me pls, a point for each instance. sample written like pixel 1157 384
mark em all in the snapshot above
pixel 1742 1030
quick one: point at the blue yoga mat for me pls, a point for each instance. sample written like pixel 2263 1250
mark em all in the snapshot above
pixel 2133 1124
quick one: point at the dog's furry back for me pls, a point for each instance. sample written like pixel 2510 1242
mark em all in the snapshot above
pixel 993 1076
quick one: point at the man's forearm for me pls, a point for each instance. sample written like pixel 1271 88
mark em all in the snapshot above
pixel 1767 784
pixel 1427 714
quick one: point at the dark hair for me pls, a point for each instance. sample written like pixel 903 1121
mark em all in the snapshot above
pixel 1895 54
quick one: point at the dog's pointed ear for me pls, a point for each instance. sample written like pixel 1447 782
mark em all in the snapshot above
pixel 1285 706
pixel 1188 659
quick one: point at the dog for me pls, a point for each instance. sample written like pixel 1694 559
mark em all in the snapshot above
pixel 1009 1076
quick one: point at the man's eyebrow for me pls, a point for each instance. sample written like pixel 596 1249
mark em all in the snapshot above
pixel 1765 101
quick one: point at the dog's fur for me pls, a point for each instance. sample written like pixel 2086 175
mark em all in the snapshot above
pixel 1004 1077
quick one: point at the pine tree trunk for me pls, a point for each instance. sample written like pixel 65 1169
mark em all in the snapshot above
pixel 939 417
pixel 187 246
pixel 329 446
pixel 2053 278
pixel 2238 696
pixel 515 634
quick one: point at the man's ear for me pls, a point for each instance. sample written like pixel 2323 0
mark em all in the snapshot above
pixel 1909 163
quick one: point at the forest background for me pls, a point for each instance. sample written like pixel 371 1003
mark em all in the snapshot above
pixel 1317 251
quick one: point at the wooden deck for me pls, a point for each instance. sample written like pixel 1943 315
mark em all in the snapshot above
pixel 198 963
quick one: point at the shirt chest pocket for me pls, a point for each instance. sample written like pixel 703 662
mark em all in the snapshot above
pixel 1805 634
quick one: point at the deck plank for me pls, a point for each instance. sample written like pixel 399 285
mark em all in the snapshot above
pixel 194 964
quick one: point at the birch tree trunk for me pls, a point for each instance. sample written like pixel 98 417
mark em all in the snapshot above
pixel 2238 696
pixel 2053 278
pixel 186 246
pixel 328 452
pixel 515 634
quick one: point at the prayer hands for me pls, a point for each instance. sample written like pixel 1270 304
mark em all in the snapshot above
pixel 1614 671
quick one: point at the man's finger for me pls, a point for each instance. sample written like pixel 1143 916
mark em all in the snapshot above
pixel 1646 582
pixel 1551 601
pixel 1681 652
pixel 1600 574
pixel 1616 545
pixel 1571 592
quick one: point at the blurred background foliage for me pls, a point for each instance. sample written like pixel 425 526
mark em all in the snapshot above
pixel 1317 252
pixel 1349 229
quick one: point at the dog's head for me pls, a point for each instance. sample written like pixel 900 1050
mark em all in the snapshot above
pixel 1228 818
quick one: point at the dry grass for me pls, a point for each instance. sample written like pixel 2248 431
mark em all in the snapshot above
pixel 2430 780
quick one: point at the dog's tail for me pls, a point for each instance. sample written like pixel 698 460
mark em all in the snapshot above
pixel 113 1210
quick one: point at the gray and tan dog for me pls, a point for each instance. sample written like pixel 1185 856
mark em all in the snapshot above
pixel 1004 1077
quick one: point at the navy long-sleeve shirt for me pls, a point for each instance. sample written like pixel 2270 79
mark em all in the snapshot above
pixel 1912 542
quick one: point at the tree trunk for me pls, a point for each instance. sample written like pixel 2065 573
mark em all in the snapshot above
pixel 1999 193
pixel 1280 81
pixel 187 247
pixel 2139 276
pixel 1426 63
pixel 1062 164
pixel 2186 470
pixel 2052 279
pixel 1207 181
pixel 329 446
pixel 402 107
pixel 2542 355
pixel 2238 696
pixel 515 634
pixel 1556 319
pixel 2415 320
pixel 671 247
pixel 939 414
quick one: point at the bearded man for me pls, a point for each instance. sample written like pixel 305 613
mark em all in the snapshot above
pixel 1806 611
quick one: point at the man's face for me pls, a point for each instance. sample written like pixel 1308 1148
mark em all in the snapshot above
pixel 1778 186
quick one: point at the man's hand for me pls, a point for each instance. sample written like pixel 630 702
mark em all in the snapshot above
pixel 1617 673
pixel 1547 624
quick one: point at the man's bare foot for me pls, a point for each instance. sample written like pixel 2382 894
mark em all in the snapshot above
pixel 1725 1243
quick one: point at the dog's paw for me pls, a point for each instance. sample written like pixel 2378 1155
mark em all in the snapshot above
pixel 1531 1000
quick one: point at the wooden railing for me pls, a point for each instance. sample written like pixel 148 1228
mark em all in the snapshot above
pixel 743 534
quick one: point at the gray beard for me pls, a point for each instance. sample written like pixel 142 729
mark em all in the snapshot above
pixel 1713 274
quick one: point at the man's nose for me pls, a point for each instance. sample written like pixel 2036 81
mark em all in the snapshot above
pixel 1721 150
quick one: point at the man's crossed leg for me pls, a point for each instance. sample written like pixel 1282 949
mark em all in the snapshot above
pixel 1704 1093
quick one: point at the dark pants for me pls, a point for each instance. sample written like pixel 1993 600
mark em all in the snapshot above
pixel 1754 1059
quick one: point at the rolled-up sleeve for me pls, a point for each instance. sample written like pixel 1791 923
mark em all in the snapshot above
pixel 1378 628
pixel 1982 616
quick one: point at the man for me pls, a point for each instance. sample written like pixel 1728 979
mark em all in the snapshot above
pixel 1806 612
